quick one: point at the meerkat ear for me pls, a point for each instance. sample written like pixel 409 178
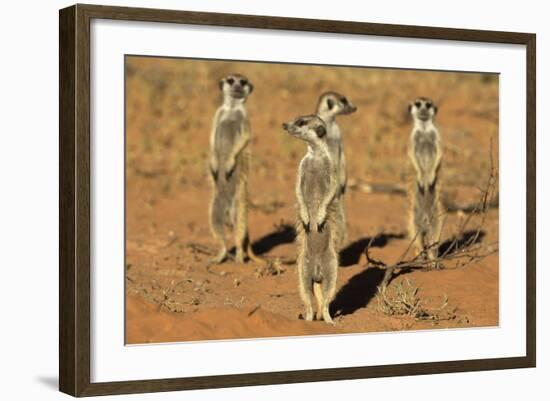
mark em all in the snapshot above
pixel 330 104
pixel 220 84
pixel 251 88
pixel 435 109
pixel 320 131
pixel 409 107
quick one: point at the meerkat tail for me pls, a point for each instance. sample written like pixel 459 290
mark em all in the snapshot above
pixel 318 292
pixel 251 254
pixel 254 257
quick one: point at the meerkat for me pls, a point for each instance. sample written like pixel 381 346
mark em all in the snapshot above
pixel 330 105
pixel 425 154
pixel 229 160
pixel 316 188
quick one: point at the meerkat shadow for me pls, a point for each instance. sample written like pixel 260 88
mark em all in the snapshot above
pixel 351 254
pixel 466 239
pixel 283 234
pixel 357 292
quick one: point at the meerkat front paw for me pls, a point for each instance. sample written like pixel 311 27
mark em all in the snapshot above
pixel 320 227
pixel 420 187
pixel 219 258
pixel 214 174
pixel 321 220
pixel 229 168
pixel 214 169
pixel 304 219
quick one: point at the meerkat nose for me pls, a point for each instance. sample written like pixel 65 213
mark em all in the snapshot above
pixel 285 126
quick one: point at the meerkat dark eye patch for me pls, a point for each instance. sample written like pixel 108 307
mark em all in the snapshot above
pixel 230 81
pixel 320 131
pixel 417 104
pixel 300 122
pixel 243 82
pixel 330 104
pixel 344 100
pixel 428 105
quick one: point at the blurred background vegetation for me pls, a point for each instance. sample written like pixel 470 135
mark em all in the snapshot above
pixel 170 104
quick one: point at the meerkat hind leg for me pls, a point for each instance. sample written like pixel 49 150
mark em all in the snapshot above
pixel 433 252
pixel 218 213
pixel 436 236
pixel 240 224
pixel 222 254
pixel 329 289
pixel 243 245
pixel 305 283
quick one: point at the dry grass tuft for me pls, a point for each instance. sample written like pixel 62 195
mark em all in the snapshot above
pixel 402 299
pixel 271 268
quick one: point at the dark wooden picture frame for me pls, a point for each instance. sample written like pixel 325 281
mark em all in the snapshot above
pixel 74 199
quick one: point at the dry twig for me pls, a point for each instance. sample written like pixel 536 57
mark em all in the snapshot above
pixel 405 301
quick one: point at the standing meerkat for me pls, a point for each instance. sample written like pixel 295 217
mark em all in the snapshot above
pixel 330 105
pixel 316 189
pixel 425 154
pixel 229 159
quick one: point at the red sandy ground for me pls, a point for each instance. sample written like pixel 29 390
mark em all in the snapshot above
pixel 172 296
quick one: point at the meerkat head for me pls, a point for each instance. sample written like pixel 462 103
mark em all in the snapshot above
pixel 307 128
pixel 333 104
pixel 236 86
pixel 423 109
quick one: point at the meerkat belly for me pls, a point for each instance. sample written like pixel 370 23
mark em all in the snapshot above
pixel 227 134
pixel 317 244
pixel 317 252
pixel 425 151
pixel 315 185
pixel 425 202
pixel 314 196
